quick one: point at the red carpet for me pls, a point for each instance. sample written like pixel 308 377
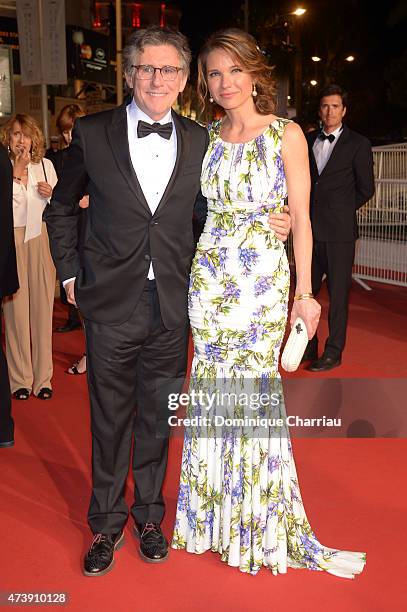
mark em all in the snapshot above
pixel 352 489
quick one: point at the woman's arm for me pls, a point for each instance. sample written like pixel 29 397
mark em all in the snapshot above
pixel 296 168
pixel 45 187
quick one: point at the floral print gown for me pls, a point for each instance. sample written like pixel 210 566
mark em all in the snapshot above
pixel 239 493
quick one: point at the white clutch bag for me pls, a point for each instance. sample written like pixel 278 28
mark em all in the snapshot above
pixel 295 346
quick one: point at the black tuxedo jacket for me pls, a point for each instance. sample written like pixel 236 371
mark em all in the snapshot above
pixel 344 185
pixel 122 237
pixel 8 264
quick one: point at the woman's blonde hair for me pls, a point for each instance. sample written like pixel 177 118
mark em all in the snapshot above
pixel 243 48
pixel 31 128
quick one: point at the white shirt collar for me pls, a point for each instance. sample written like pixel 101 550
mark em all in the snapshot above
pixel 336 132
pixel 136 114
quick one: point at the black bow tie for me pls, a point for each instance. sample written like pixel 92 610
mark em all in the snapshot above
pixel 323 136
pixel 144 129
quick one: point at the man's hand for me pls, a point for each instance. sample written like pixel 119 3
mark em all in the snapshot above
pixel 84 202
pixel 280 223
pixel 70 292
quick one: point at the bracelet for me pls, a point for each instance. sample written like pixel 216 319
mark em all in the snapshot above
pixel 303 296
pixel 17 178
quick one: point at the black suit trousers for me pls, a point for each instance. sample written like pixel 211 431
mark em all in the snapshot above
pixel 6 422
pixel 128 367
pixel 335 259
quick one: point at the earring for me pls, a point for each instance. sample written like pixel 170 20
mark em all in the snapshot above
pixel 254 92
pixel 211 99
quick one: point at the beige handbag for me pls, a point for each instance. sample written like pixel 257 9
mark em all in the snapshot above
pixel 295 346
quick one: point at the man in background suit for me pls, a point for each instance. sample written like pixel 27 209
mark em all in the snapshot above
pixel 341 165
pixel 8 286
pixel 141 165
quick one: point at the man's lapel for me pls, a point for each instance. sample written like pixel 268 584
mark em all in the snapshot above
pixel 119 142
pixel 343 137
pixel 182 154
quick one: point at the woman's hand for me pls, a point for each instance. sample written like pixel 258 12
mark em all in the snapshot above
pixel 309 310
pixel 44 189
pixel 22 159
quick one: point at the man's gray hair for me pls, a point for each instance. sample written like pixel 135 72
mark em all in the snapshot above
pixel 155 36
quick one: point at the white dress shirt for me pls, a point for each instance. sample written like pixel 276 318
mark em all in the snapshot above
pixel 323 149
pixel 28 205
pixel 153 159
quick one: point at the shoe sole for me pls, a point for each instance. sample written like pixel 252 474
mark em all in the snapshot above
pixel 22 398
pixel 7 444
pixel 147 559
pixel 324 369
pixel 117 546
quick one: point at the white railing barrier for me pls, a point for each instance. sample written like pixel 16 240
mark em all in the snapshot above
pixel 381 251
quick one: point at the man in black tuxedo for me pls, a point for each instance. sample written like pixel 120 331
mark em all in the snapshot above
pixel 8 286
pixel 341 164
pixel 141 166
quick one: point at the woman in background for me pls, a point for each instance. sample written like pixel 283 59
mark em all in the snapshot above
pixel 65 123
pixel 28 313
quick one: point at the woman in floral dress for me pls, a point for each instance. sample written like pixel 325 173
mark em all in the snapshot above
pixel 239 494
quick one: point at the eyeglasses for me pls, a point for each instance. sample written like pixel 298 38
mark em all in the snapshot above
pixel 147 72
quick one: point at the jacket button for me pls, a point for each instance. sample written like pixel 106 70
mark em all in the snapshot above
pixel 154 223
